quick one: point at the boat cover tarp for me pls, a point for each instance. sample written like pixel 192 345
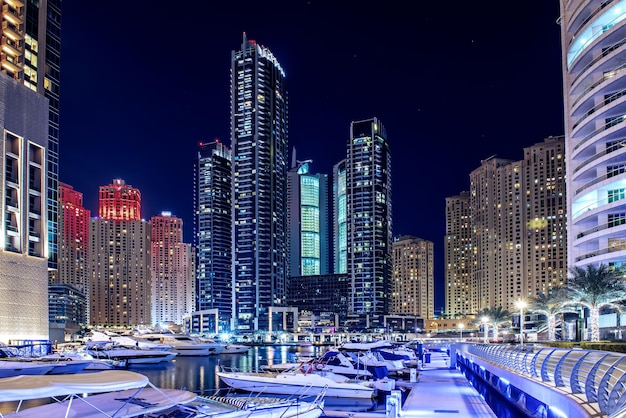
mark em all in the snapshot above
pixel 26 387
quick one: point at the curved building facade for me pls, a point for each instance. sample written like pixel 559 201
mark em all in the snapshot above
pixel 593 36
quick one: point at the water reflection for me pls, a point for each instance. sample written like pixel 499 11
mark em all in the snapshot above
pixel 197 374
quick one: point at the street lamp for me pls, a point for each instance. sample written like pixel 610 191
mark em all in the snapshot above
pixel 461 326
pixel 521 304
pixel 485 321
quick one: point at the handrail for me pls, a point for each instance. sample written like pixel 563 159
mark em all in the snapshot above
pixel 598 131
pixel 594 205
pixel 596 83
pixel 607 101
pixel 597 376
pixel 598 228
pixel 588 18
pixel 597 59
pixel 596 156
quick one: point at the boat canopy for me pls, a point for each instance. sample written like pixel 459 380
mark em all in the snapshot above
pixel 44 386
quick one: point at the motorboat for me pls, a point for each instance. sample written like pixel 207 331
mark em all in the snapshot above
pixel 121 393
pixel 367 355
pixel 235 349
pixel 331 361
pixel 298 383
pixel 404 353
pixel 184 345
pixel 127 341
pixel 10 368
pixel 112 351
pixel 12 363
pixel 227 348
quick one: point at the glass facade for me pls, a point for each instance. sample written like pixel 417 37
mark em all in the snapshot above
pixel 212 231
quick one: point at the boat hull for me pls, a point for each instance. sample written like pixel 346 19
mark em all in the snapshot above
pixel 295 385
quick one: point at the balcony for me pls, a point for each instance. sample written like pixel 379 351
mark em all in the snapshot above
pixel 11 15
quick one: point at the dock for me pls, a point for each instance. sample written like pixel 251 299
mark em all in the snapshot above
pixel 439 391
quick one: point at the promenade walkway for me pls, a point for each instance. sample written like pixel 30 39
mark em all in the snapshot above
pixel 442 392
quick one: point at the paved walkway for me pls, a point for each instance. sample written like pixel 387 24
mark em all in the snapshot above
pixel 442 392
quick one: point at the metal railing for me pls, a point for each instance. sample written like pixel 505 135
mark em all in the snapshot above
pixel 595 377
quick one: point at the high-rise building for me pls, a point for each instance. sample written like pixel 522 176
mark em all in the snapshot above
pixel 23 231
pixel 31 50
pixel 172 271
pixel 119 202
pixel 413 284
pixel 259 148
pixel 213 228
pixel 518 221
pixel 73 239
pixel 593 51
pixel 308 221
pixel 340 228
pixel 119 259
pixel 69 284
pixel 458 256
pixel 369 217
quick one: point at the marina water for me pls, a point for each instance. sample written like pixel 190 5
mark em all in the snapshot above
pixel 197 373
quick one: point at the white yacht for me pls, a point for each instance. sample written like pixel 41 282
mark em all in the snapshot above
pixel 184 345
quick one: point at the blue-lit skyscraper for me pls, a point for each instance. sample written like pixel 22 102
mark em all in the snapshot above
pixel 212 229
pixel 340 240
pixel 369 217
pixel 259 148
pixel 308 221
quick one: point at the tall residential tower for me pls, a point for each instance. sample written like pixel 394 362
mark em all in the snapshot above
pixel 413 284
pixel 172 295
pixel 120 259
pixel 594 76
pixel 369 217
pixel 213 226
pixel 258 114
pixel 517 212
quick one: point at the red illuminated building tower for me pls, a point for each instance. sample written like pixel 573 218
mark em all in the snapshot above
pixel 119 259
pixel 172 271
pixel 119 202
pixel 73 239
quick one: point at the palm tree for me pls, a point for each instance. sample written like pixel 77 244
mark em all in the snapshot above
pixel 550 305
pixel 595 288
pixel 497 316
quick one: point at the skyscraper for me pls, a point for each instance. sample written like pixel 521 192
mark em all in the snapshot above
pixel 593 52
pixel 308 221
pixel 340 228
pixel 73 239
pixel 172 271
pixel 369 217
pixel 259 131
pixel 413 284
pixel 31 50
pixel 120 259
pixel 23 256
pixel 213 228
pixel 458 256
pixel 518 222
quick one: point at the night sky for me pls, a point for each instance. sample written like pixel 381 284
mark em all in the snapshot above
pixel 143 82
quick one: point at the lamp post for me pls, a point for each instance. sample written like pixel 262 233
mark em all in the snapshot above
pixel 461 326
pixel 521 304
pixel 485 321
